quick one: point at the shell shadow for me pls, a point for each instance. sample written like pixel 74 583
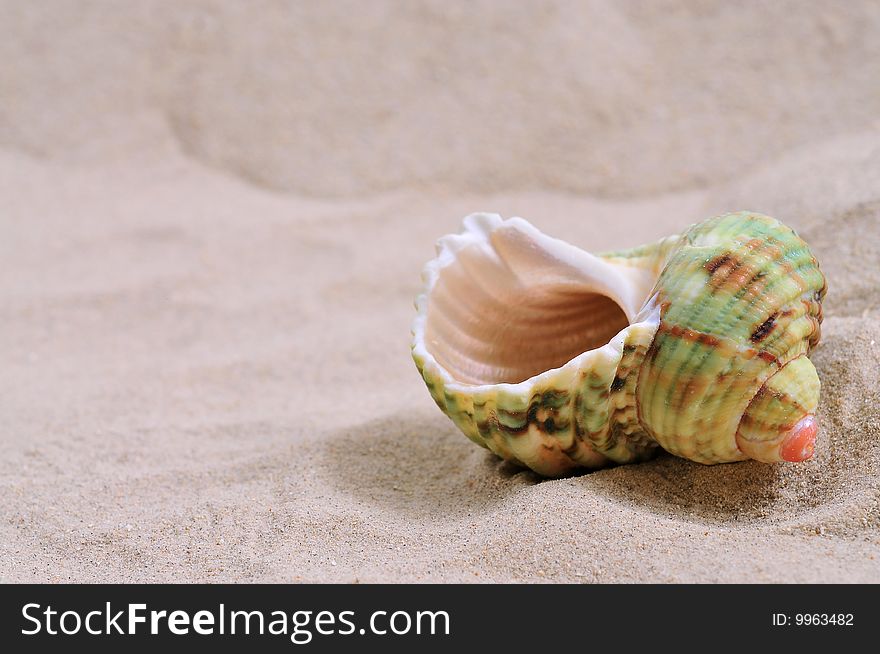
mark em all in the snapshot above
pixel 421 465
pixel 677 488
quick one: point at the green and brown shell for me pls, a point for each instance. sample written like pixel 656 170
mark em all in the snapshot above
pixel 556 358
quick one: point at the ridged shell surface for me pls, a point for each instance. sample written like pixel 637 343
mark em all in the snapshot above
pixel 740 298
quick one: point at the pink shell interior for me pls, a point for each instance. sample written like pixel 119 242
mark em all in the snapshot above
pixel 507 309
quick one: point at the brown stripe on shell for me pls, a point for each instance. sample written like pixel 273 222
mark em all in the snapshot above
pixel 816 332
pixel 687 334
pixel 792 273
pixel 760 248
pixel 510 431
pixel 548 425
pixel 694 385
pixel 727 270
pixel 748 421
pixel 715 263
pixel 763 330
pixel 575 412
pixel 780 396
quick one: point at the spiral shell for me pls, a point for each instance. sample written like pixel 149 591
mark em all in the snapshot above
pixel 555 358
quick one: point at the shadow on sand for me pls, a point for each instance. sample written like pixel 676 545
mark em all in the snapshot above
pixel 421 465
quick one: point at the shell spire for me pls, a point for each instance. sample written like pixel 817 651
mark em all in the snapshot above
pixel 556 358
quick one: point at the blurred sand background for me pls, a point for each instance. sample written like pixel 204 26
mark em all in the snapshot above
pixel 213 217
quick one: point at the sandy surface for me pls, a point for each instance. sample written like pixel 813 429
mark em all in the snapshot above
pixel 212 229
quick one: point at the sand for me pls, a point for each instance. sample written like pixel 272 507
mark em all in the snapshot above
pixel 213 224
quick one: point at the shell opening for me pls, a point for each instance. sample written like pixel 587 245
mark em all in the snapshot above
pixel 511 303
pixel 518 335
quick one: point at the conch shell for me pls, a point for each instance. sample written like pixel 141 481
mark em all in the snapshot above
pixel 556 358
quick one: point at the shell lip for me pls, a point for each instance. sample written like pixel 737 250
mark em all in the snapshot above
pixel 477 228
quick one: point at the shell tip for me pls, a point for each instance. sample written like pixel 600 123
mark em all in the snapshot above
pixel 799 443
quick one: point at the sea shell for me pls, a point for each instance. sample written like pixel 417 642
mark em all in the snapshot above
pixel 556 358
